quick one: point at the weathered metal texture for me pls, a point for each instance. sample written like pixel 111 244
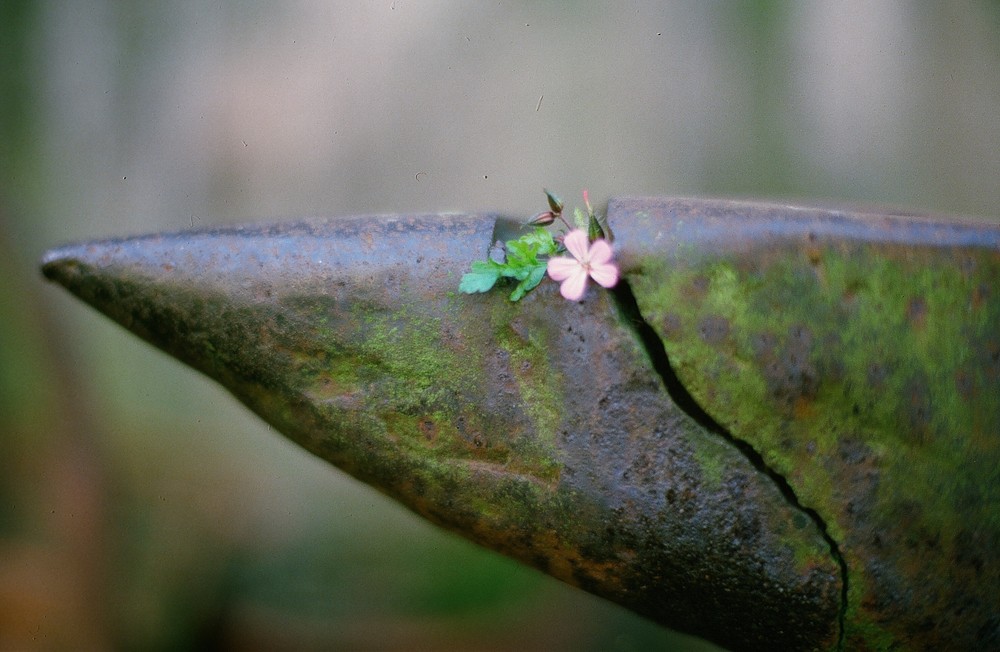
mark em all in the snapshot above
pixel 859 354
pixel 540 429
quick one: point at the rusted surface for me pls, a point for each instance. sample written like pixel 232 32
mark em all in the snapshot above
pixel 859 354
pixel 777 399
pixel 539 429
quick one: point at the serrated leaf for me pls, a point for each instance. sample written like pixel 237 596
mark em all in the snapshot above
pixel 519 252
pixel 516 272
pixel 530 282
pixel 540 242
pixel 522 264
pixel 484 276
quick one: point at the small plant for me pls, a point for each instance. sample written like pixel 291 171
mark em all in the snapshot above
pixel 527 259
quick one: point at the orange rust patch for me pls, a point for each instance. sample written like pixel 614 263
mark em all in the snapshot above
pixel 803 409
pixel 549 553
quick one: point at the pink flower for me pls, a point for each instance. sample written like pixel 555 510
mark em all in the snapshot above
pixel 588 259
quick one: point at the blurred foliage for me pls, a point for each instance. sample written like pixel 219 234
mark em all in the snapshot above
pixel 140 508
pixel 17 21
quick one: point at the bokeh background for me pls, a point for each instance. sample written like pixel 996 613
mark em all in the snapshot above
pixel 140 506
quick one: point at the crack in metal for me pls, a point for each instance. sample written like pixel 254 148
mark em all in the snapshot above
pixel 653 345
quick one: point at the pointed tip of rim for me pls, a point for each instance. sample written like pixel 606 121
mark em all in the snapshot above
pixel 67 264
pixel 57 263
pixel 69 261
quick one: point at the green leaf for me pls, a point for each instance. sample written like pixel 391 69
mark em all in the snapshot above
pixel 522 265
pixel 519 253
pixel 541 242
pixel 581 219
pixel 530 282
pixel 516 272
pixel 483 277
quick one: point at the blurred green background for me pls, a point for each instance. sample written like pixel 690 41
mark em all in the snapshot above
pixel 140 506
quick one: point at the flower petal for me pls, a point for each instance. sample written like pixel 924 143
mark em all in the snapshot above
pixel 574 286
pixel 561 268
pixel 605 274
pixel 577 243
pixel 600 252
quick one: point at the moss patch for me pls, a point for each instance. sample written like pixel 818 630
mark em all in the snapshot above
pixel 862 373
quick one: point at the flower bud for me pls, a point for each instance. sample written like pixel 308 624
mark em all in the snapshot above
pixel 555 203
pixel 594 229
pixel 542 219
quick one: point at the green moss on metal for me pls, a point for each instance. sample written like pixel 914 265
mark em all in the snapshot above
pixel 710 460
pixel 871 353
pixel 538 384
pixel 874 375
pixel 419 371
pixel 456 410
pixel 864 634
